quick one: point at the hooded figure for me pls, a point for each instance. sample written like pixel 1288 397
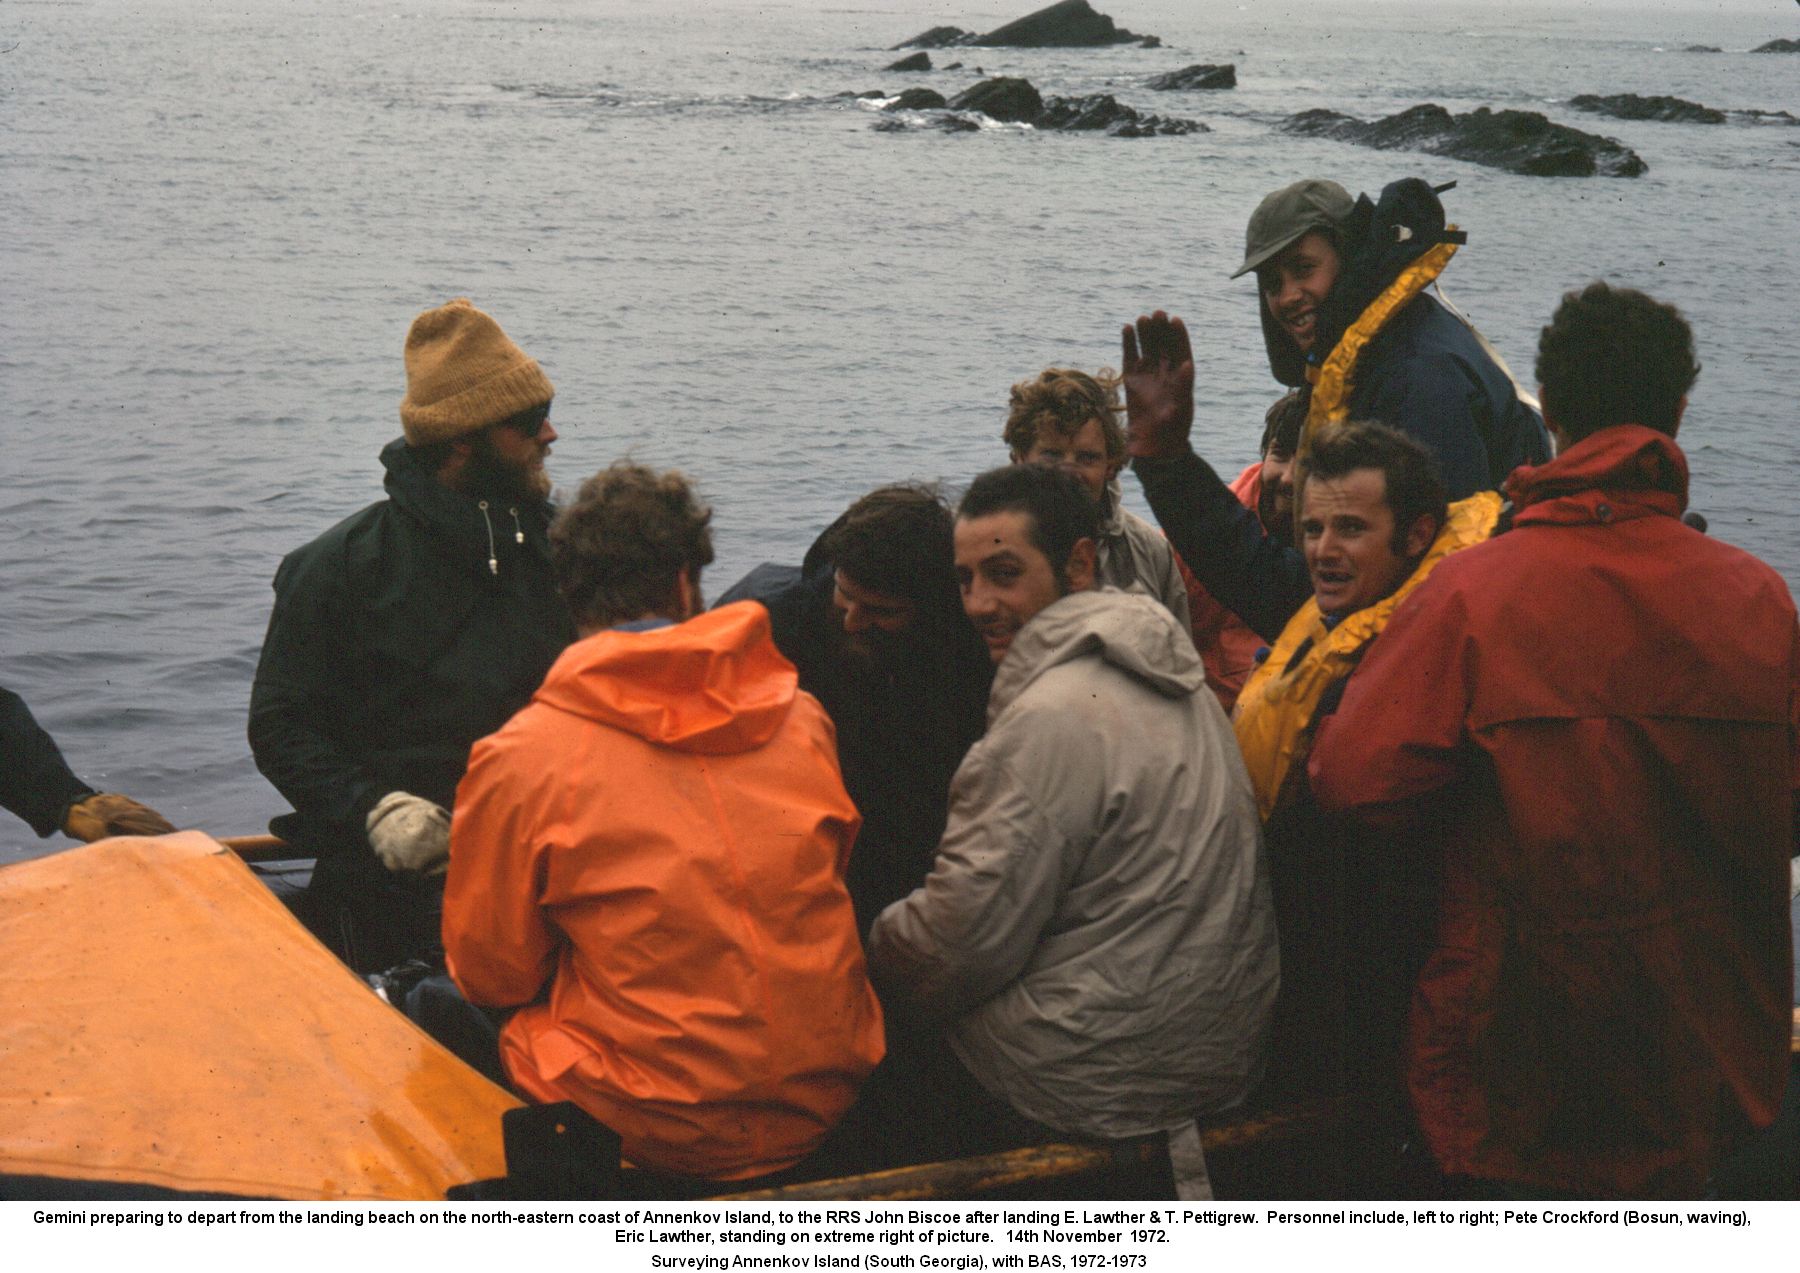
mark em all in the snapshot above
pixel 650 857
pixel 1342 303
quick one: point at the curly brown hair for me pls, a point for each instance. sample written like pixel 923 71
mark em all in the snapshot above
pixel 1062 400
pixel 620 548
pixel 1612 355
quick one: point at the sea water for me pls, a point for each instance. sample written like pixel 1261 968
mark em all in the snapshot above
pixel 219 220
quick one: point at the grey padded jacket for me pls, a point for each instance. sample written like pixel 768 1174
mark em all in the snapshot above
pixel 1133 556
pixel 1097 930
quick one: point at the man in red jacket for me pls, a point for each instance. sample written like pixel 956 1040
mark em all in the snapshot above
pixel 1595 714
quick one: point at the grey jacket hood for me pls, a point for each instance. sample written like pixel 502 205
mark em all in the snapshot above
pixel 1126 629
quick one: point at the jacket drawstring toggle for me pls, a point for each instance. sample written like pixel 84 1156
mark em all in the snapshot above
pixel 493 557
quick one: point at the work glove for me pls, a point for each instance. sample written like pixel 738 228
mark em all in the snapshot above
pixel 410 833
pixel 108 813
pixel 1158 362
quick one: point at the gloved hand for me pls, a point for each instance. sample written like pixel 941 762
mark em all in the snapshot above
pixel 1158 363
pixel 410 833
pixel 108 813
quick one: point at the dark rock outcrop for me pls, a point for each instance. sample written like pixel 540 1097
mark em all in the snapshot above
pixel 1199 75
pixel 1673 110
pixel 938 38
pixel 1005 98
pixel 1702 48
pixel 1067 24
pixel 917 99
pixel 1517 141
pixel 944 123
pixel 1015 101
pixel 917 62
pixel 1778 46
pixel 1765 117
pixel 1101 113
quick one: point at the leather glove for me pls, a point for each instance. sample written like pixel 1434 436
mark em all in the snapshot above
pixel 1159 387
pixel 410 833
pixel 108 813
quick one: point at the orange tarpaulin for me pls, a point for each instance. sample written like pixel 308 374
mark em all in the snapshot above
pixel 164 1021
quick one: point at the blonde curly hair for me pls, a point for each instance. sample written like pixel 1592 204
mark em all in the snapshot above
pixel 1062 400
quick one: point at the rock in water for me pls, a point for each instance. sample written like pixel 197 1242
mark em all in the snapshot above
pixel 1517 141
pixel 938 38
pixel 1778 46
pixel 1064 25
pixel 1005 98
pixel 1673 110
pixel 917 99
pixel 1766 117
pixel 1702 48
pixel 1102 113
pixel 917 62
pixel 1016 101
pixel 1199 75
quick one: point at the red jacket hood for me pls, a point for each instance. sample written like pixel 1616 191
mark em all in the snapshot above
pixel 1611 475
pixel 715 684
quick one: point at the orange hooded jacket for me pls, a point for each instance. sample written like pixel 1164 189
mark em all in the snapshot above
pixel 659 840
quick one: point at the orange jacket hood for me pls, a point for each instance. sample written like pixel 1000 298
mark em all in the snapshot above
pixel 715 685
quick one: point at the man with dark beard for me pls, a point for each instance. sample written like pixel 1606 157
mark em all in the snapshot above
pixel 408 631
pixel 873 622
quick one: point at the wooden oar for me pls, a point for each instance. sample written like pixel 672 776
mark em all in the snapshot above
pixel 260 848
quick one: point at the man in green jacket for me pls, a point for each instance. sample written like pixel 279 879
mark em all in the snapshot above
pixel 406 632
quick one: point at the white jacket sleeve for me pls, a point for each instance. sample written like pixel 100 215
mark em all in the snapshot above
pixel 1006 859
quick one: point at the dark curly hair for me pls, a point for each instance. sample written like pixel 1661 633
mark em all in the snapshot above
pixel 1061 513
pixel 1612 355
pixel 619 548
pixel 1414 485
pixel 896 540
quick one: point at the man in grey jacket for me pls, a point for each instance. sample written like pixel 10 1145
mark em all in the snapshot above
pixel 1095 937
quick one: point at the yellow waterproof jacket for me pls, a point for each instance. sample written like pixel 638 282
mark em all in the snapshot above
pixel 1274 716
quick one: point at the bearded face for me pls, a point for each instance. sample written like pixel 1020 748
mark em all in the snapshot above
pixel 507 467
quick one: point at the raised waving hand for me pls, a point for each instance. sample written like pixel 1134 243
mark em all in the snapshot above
pixel 1158 364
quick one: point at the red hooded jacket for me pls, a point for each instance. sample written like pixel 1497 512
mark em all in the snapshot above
pixel 1604 704
pixel 659 840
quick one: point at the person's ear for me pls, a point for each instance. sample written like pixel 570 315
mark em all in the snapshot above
pixel 1082 565
pixel 1556 433
pixel 687 591
pixel 1420 535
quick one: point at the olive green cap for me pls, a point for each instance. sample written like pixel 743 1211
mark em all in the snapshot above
pixel 1291 212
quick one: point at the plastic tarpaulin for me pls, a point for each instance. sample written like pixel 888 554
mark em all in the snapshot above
pixel 165 1022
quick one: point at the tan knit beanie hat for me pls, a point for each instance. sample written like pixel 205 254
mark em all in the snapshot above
pixel 463 374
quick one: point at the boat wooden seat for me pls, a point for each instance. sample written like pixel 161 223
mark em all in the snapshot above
pixel 1043 1166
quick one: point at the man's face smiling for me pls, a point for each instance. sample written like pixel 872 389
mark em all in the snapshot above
pixel 1275 504
pixel 870 620
pixel 1082 454
pixel 1005 579
pixel 1347 534
pixel 1295 284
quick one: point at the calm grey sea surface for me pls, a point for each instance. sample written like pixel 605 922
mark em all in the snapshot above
pixel 219 220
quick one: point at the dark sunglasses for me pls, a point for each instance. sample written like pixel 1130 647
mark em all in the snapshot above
pixel 528 424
